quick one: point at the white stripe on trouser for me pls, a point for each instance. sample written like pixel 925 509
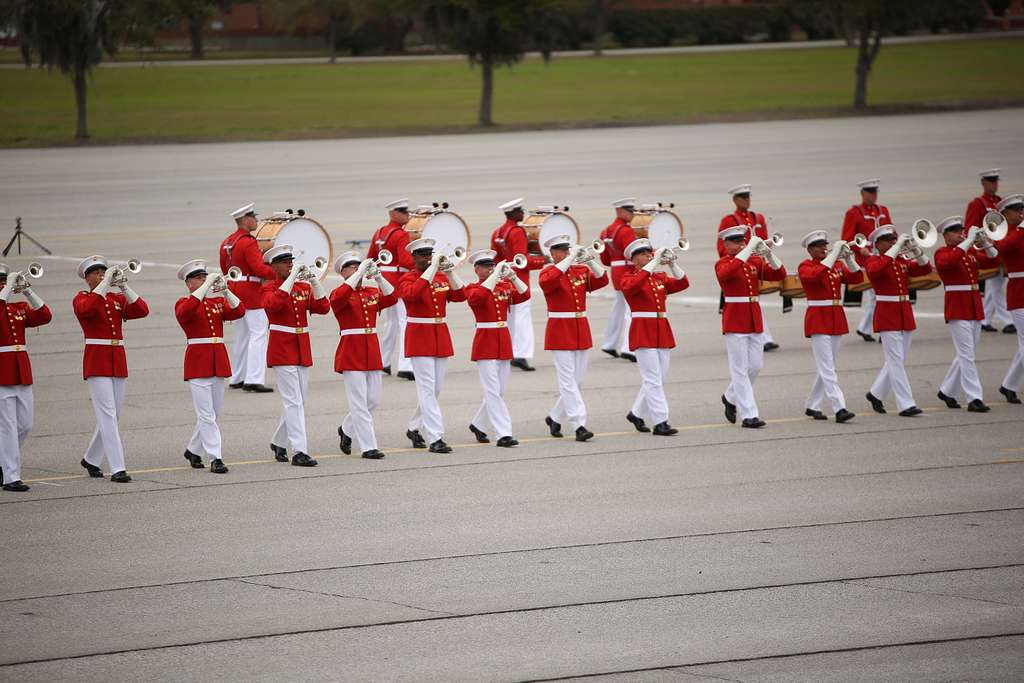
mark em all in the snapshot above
pixel 492 411
pixel 430 372
pixel 107 394
pixel 362 389
pixel 520 326
pixel 963 373
pixel 746 358
pixel 896 347
pixel 1015 373
pixel 994 301
pixel 292 384
pixel 570 369
pixel 16 411
pixel 391 323
pixel 826 383
pixel 249 351
pixel 616 332
pixel 207 398
pixel 650 403
pixel 868 306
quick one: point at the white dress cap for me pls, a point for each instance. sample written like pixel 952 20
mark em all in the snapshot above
pixel 191 268
pixel 345 259
pixel 421 243
pixel 279 253
pixel 635 246
pixel 990 173
pixel 881 231
pixel 624 203
pixel 738 189
pixel 557 240
pixel 247 209
pixel 90 261
pixel 483 255
pixel 735 231
pixel 508 207
pixel 397 204
pixel 4 269
pixel 950 223
pixel 813 236
pixel 870 183
pixel 1012 201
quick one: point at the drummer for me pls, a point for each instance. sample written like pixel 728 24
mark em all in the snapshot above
pixel 393 238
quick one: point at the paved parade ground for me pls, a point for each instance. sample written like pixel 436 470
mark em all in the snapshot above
pixel 884 549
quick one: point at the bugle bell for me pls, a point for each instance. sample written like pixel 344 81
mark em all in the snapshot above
pixel 519 261
pixel 775 240
pixel 860 241
pixel 384 257
pixel 683 244
pixel 133 266
pixel 924 233
pixel 995 226
pixel 597 246
pixel 234 274
pixel 34 270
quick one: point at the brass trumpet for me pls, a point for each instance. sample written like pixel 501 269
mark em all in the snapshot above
pixel 384 257
pixel 995 226
pixel 20 278
pixel 315 271
pixel 120 277
pixel 449 263
pixel 597 246
pixel 519 261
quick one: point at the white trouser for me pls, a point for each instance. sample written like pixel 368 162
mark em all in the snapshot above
pixel 766 336
pixel 570 369
pixel 492 410
pixel 520 326
pixel 963 373
pixel 896 347
pixel 826 351
pixel 107 394
pixel 362 389
pixel 249 351
pixel 1015 373
pixel 391 322
pixel 868 308
pixel 430 372
pixel 746 358
pixel 16 408
pixel 292 384
pixel 616 332
pixel 650 403
pixel 995 301
pixel 207 398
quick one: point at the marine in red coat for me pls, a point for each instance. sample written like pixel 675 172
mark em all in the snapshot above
pixel 1011 251
pixel 616 238
pixel 394 239
pixel 508 242
pixel 865 218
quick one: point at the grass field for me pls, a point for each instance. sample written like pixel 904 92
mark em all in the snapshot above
pixel 291 101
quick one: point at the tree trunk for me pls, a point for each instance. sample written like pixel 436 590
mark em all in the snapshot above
pixel 78 77
pixel 487 96
pixel 195 34
pixel 332 38
pixel 600 25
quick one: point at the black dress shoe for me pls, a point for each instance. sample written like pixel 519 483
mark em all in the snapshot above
pixel 988 328
pixel 300 459
pixel 554 427
pixel 911 412
pixel 405 374
pixel 522 364
pixel 217 466
pixel 236 385
pixel 1010 329
pixel 386 369
pixel 440 446
pixel 611 352
pixel 977 406
pixel 753 422
pixel 345 443
pixel 120 477
pixel 280 453
pixel 256 389
pixel 730 410
pixel 949 401
pixel 583 434
pixel 506 442
pixel 865 336
pixel 816 414
pixel 16 486
pixel 876 403
pixel 1011 396
pixel 770 346
pixel 373 454
pixel 628 356
pixel 94 472
pixel 417 439
pixel 479 434
pixel 195 460
pixel 640 425
pixel 664 429
pixel 844 415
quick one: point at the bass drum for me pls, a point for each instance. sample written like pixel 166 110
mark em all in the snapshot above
pixel 307 237
pixel 923 282
pixel 663 229
pixel 987 273
pixel 793 288
pixel 540 227
pixel 446 228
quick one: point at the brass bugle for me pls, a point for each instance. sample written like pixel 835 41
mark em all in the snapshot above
pixel 924 233
pixel 384 257
pixel 519 261
pixel 996 226
pixel 234 274
pixel 597 246
pixel 683 244
pixel 34 270
pixel 860 241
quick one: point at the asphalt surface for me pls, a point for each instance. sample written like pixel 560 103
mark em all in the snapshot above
pixel 887 548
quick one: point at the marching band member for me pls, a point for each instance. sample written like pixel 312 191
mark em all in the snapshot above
pixel 426 291
pixel 739 273
pixel 101 313
pixel 650 334
pixel 565 284
pixel 491 299
pixel 757 225
pixel 357 307
pixel 393 238
pixel 508 241
pixel 957 263
pixel 1011 250
pixel 249 351
pixel 995 287
pixel 822 277
pixel 201 316
pixel 889 273
pixel 865 218
pixel 16 401
pixel 616 238
pixel 289 298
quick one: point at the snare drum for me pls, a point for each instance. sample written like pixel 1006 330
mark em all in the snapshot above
pixel 986 273
pixel 922 282
pixel 793 288
pixel 540 226
pixel 769 286
pixel 662 227
pixel 861 286
pixel 446 228
pixel 307 237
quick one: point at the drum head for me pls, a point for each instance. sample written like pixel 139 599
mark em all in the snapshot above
pixel 558 224
pixel 309 240
pixel 448 231
pixel 664 230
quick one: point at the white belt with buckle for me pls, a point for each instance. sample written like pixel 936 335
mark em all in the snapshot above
pixel 425 321
pixel 889 299
pixel 567 314
pixel 250 278
pixel 392 269
pixel 824 302
pixel 620 263
pixel 11 349
pixel 961 288
pixel 357 330
pixel 104 342
pixel 648 314
pixel 1016 274
pixel 291 330
pixel 741 299
pixel 206 340
pixel 491 326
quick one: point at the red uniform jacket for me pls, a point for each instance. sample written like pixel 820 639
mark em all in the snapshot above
pixel 290 310
pixel 427 300
pixel 15 367
pixel 978 207
pixel 616 238
pixel 241 249
pixel 356 309
pixel 394 238
pixel 741 279
pixel 493 343
pixel 567 293
pixel 860 218
pixel 889 278
pixel 755 221
pixel 205 319
pixel 101 318
pixel 960 269
pixel 647 293
pixel 1011 253
pixel 822 284
pixel 510 239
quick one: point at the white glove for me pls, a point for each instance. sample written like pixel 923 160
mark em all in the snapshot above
pixel 454 280
pixel 385 287
pixel 751 247
pixel 565 263
pixel 289 281
pixel 596 267
pixel 318 288
pixel 518 284
pixel 492 279
pixel 356 278
pixel 851 264
pixel 34 300
pixel 129 293
pixel 922 258
pixel 104 285
pixel 971 239
pixel 895 249
pixel 833 254
pixel 202 290
pixel 431 272
pixel 773 259
pixel 5 293
pixel 232 300
pixel 677 270
pixel 652 265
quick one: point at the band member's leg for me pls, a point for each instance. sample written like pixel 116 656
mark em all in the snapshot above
pixel 206 435
pixel 107 394
pixel 259 337
pixel 404 364
pixel 883 381
pixel 767 337
pixel 652 391
pixel 896 349
pixel 994 302
pixel 358 423
pixel 832 389
pixel 492 386
pixel 240 351
pixel 292 382
pixel 520 323
pixel 570 407
pixel 819 348
pixel 387 326
pixel 613 329
pixel 26 414
pixel 826 349
pixel 868 317
pixel 10 453
pixel 1015 374
pixel 740 392
pixel 627 320
pixel 428 387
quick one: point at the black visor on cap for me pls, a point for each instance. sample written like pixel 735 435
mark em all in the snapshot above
pixel 484 262
pixel 94 267
pixel 990 177
pixel 640 250
pixel 423 250
pixel 201 271
pixel 1016 207
pixel 733 238
pixel 346 264
pixel 560 245
pixel 283 257
pixel 953 226
pixel 870 189
pixel 818 243
pixel 742 195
